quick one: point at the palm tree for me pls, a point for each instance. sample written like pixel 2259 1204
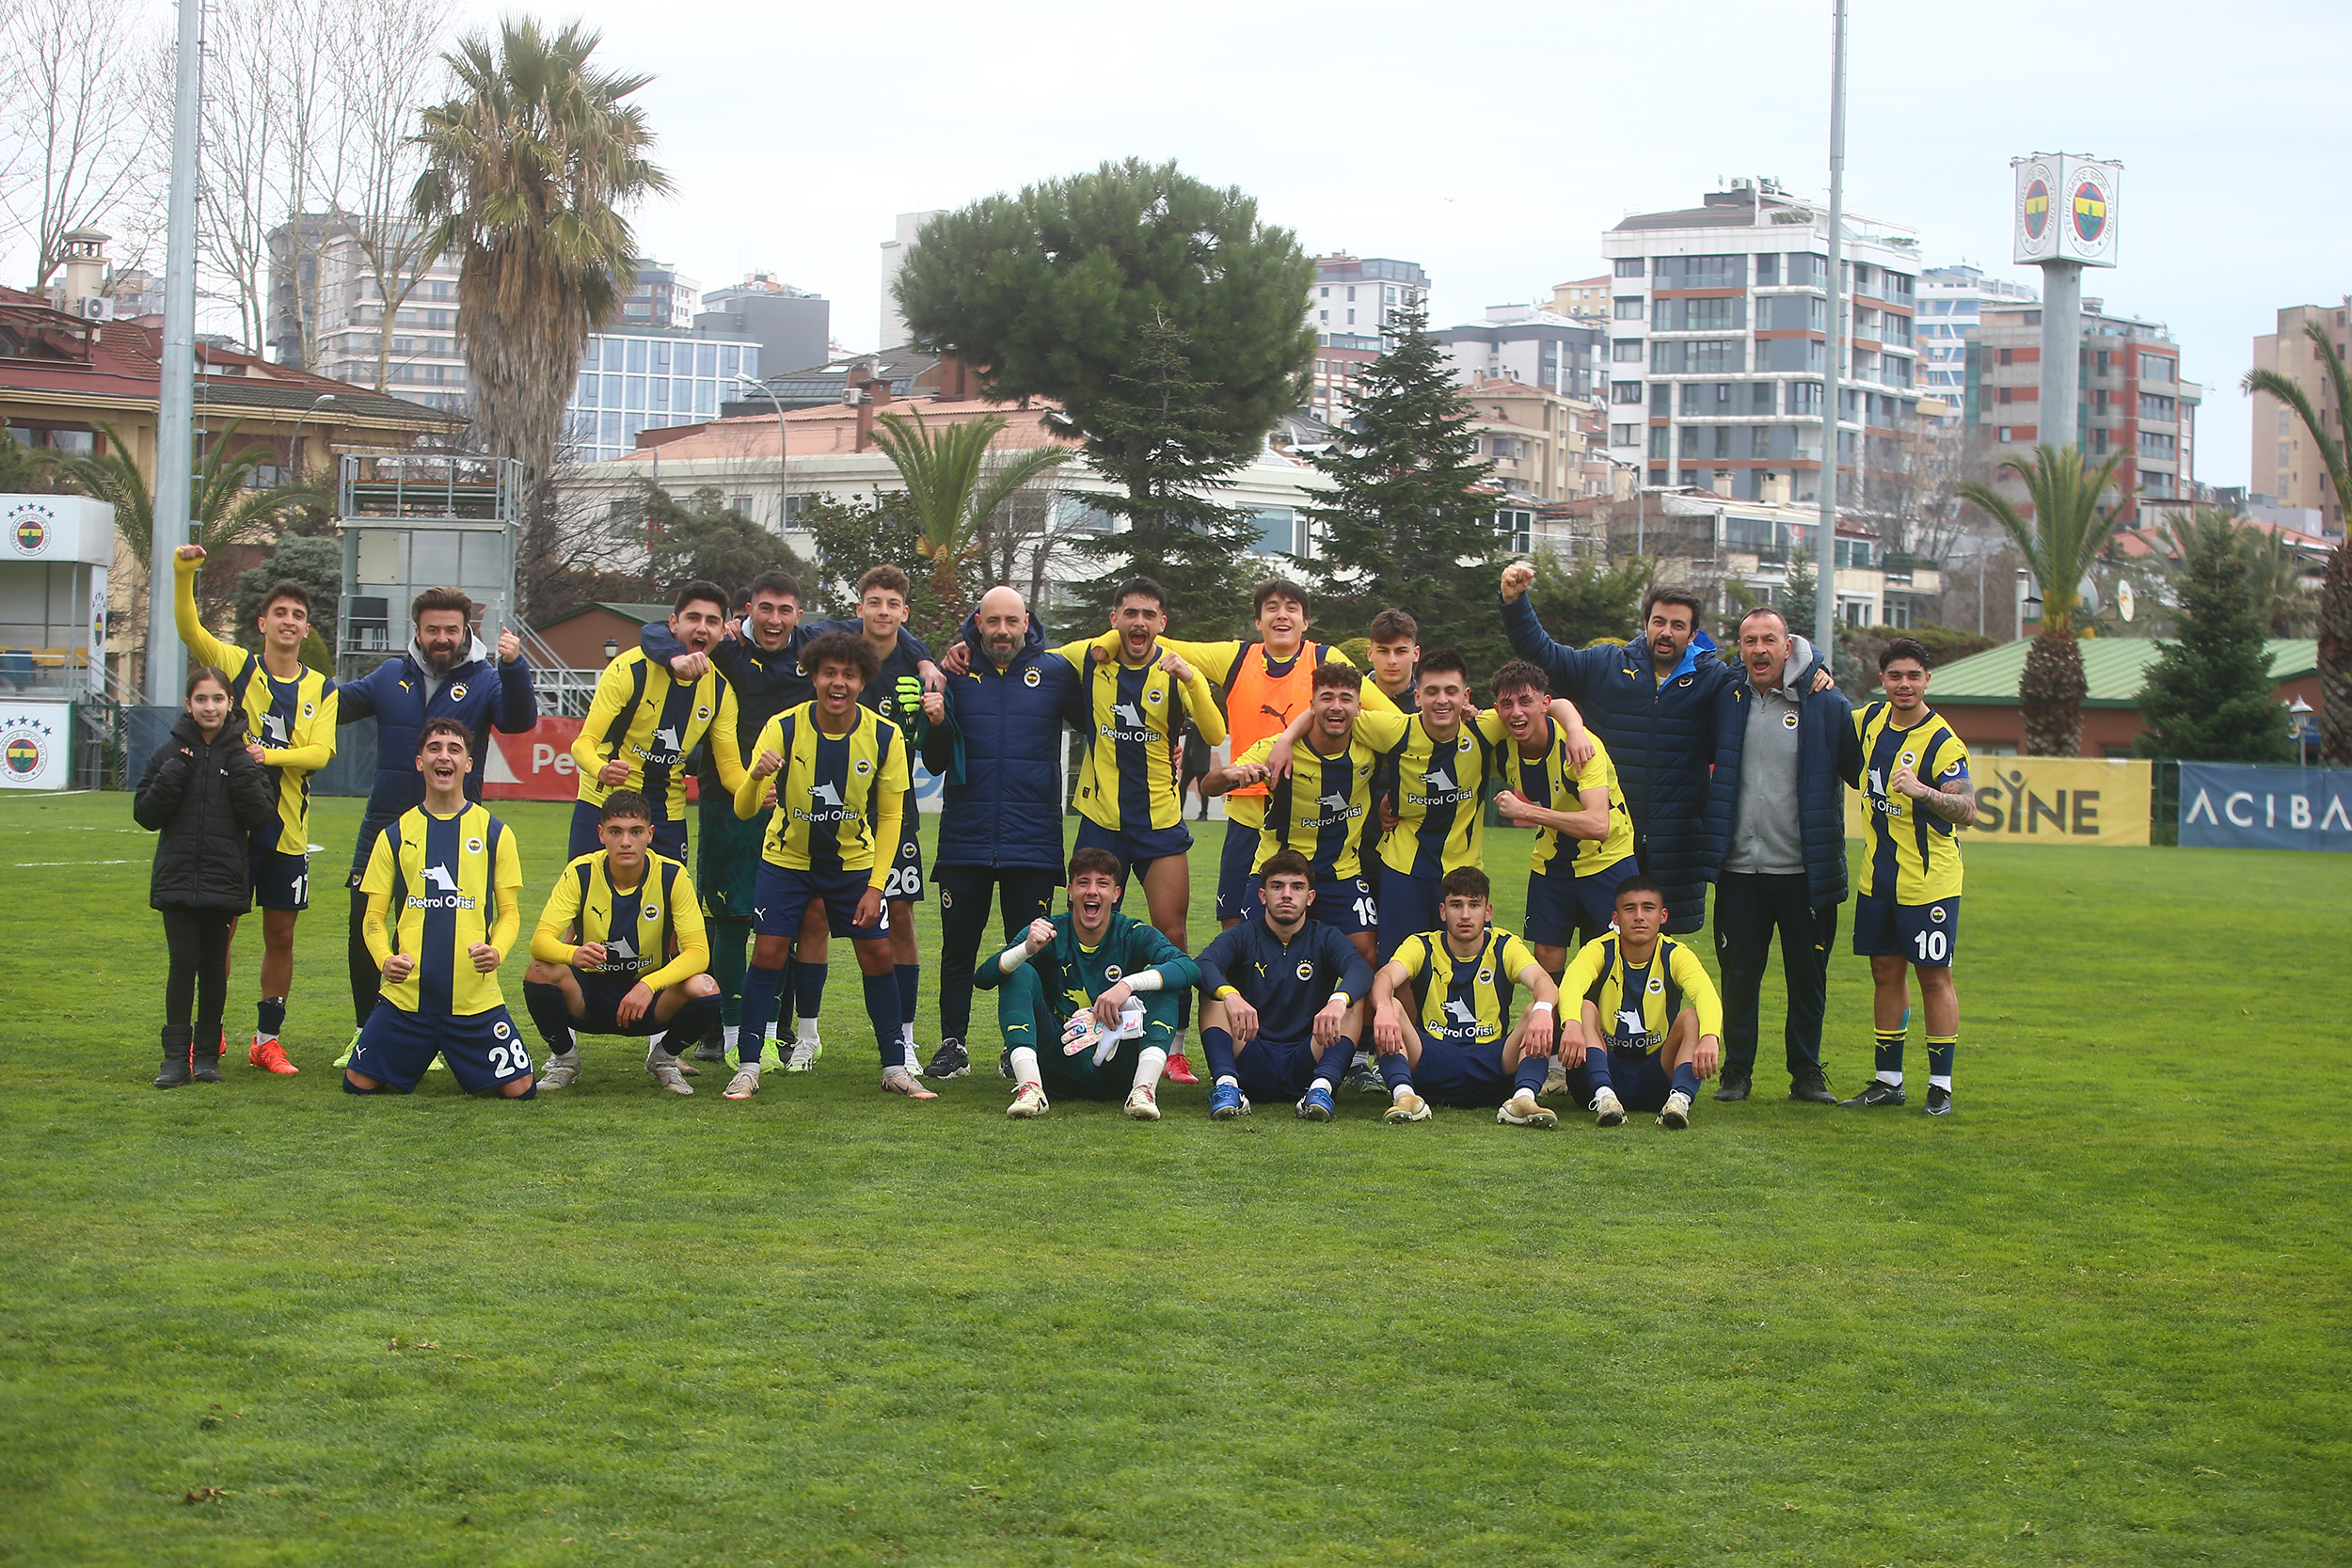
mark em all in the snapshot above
pixel 2335 592
pixel 526 172
pixel 2284 602
pixel 954 490
pixel 2059 541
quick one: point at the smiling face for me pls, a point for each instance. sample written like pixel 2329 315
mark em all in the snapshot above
pixel 699 624
pixel 1523 711
pixel 1444 698
pixel 1093 894
pixel 773 618
pixel 624 839
pixel 1286 896
pixel 444 760
pixel 882 611
pixel 1764 648
pixel 1335 709
pixel 443 638
pixel 1004 624
pixel 1281 624
pixel 1139 620
pixel 208 705
pixel 1906 683
pixel 837 683
pixel 284 623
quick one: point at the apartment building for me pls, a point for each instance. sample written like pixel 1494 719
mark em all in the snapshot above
pixel 1531 343
pixel 1352 305
pixel 2285 462
pixel 1950 307
pixel 634 381
pixel 1541 443
pixel 1584 301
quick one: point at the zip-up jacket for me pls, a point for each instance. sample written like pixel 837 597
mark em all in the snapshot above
pixel 997 757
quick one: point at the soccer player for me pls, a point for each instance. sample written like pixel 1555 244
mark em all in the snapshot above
pixel 645 720
pixel 1086 1000
pixel 832 777
pixel 1571 887
pixel 1393 649
pixel 1459 1044
pixel 290 730
pixel 620 950
pixel 1908 917
pixel 444 886
pixel 1318 810
pixel 1283 999
pixel 1645 1024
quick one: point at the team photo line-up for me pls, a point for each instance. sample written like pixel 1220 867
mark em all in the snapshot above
pixel 1357 948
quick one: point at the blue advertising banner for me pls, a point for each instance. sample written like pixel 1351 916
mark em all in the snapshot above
pixel 2229 806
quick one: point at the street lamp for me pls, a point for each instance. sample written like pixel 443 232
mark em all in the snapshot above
pixel 2298 715
pixel 293 442
pixel 1635 469
pixel 782 481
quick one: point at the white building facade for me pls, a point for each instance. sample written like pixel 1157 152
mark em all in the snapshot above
pixel 1951 305
pixel 631 382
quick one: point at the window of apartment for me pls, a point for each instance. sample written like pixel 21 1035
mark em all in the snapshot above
pixel 1805 397
pixel 635 350
pixel 1701 272
pixel 1326 292
pixel 2154 367
pixel 1707 398
pixel 1351 297
pixel 1658 478
pixel 2156 483
pixel 2155 407
pixel 1700 357
pixel 1659 436
pixel 1662 401
pixel 1791 353
pixel 1854 553
pixel 1760 398
pixel 1517 525
pixel 1625 392
pixel 705 358
pixel 2005 394
pixel 1894 371
pixel 1767 270
pixel 1723 434
pixel 2004 436
pixel 1351 315
pixel 2099 366
pixel 1625 351
pixel 1323 317
pixel 1629 266
pixel 2009 356
pixel 1861 275
pixel 733 359
pixel 1624 434
pixel 1699 315
pixel 1894 328
pixel 661 353
pixel 2155 443
pixel 1630 307
pixel 1691 436
pixel 1792 312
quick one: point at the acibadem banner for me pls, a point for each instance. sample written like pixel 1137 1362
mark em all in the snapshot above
pixel 2227 805
pixel 2047 801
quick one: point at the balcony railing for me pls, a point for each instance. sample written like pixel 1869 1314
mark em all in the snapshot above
pixel 454 489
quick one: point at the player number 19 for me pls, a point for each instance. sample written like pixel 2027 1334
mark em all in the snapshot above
pixel 1929 945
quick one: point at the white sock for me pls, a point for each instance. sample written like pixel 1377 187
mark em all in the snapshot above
pixel 1398 1092
pixel 1325 1085
pixel 751 1065
pixel 1148 1066
pixel 730 1031
pixel 1176 1044
pixel 808 1031
pixel 1944 1083
pixel 659 1041
pixel 772 1031
pixel 906 1033
pixel 1362 1060
pixel 1894 1078
pixel 1025 1067
pixel 1230 1079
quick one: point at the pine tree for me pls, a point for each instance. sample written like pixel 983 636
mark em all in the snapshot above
pixel 1409 525
pixel 1157 436
pixel 2209 697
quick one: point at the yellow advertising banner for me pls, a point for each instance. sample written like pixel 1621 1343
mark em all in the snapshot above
pixel 2053 800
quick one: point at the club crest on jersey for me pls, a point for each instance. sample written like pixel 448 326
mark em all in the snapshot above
pixel 456 694
pixel 862 766
pixel 1029 676
pixel 1789 720
pixel 473 846
pixel 1306 971
pixel 1486 976
pixel 500 1030
pixel 1112 972
pixel 1153 695
pixel 1657 985
pixel 1935 912
pixel 651 911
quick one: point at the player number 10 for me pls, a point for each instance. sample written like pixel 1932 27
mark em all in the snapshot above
pixel 1929 947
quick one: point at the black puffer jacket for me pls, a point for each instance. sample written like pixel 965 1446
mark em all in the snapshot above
pixel 206 799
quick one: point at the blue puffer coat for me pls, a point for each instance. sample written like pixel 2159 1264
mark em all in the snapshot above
pixel 1662 735
pixel 997 757
pixel 1827 755
pixel 400 694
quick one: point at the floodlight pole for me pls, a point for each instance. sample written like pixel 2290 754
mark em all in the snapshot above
pixel 1825 569
pixel 783 469
pixel 175 418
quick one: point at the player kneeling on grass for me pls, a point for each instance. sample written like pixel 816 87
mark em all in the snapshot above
pixel 620 950
pixel 1087 999
pixel 444 888
pixel 1450 1038
pixel 1646 1025
pixel 1286 999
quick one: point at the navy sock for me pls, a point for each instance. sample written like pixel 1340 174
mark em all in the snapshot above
pixel 906 974
pixel 1940 1049
pixel 1686 1078
pixel 1217 1047
pixel 1890 1054
pixel 693 1021
pixel 1532 1074
pixel 545 1003
pixel 808 989
pixel 272 1017
pixel 1183 1009
pixel 350 1087
pixel 1597 1068
pixel 882 1007
pixel 780 1016
pixel 1332 1065
pixel 1395 1071
pixel 759 1000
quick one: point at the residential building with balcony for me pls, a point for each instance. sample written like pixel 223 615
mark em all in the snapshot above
pixel 1951 301
pixel 662 298
pixel 2283 459
pixel 1531 344
pixel 1352 305
pixel 1540 443
pixel 1584 301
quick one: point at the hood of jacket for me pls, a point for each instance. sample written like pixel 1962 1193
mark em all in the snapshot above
pixel 183 730
pixel 475 653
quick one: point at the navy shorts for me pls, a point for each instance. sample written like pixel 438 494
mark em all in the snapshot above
pixel 1561 906
pixel 1346 906
pixel 1272 1069
pixel 1461 1072
pixel 905 885
pixel 1233 870
pixel 783 895
pixel 281 882
pixel 483 1050
pixel 1924 934
pixel 602 994
pixel 1409 907
pixel 1638 1077
pixel 1135 850
pixel 669 838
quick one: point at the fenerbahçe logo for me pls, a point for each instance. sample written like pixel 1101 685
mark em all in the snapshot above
pixel 652 911
pixel 28 530
pixel 1306 971
pixel 456 693
pixel 2090 211
pixel 1789 720
pixel 1657 985
pixel 2037 209
pixel 500 1030
pixel 1029 676
pixel 473 846
pixel 1112 973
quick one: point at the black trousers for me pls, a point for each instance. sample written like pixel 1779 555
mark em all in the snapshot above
pixel 367 975
pixel 1749 909
pixel 1024 893
pixel 198 940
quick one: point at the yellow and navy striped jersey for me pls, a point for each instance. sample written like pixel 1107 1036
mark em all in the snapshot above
pixel 1551 781
pixel 1914 854
pixel 1660 988
pixel 435 886
pixel 836 796
pixel 1263 695
pixel 652 933
pixel 1320 810
pixel 292 721
pixel 1131 718
pixel 1439 826
pixel 1467 1000
pixel 652 721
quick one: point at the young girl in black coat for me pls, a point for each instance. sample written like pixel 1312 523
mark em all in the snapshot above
pixel 205 796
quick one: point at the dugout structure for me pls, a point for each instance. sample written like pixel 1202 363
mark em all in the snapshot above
pixel 411 522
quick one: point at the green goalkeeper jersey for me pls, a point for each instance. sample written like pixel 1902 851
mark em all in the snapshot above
pixel 1072 975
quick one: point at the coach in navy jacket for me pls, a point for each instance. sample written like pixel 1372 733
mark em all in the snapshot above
pixel 995 744
pixel 400 694
pixel 1775 837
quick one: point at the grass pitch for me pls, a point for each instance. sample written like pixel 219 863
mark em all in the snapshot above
pixel 2098 1315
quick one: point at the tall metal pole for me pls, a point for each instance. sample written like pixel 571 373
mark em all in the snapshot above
pixel 1825 568
pixel 175 421
pixel 2061 352
pixel 782 472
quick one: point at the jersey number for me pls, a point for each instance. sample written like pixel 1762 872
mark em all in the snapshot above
pixel 903 882
pixel 508 1061
pixel 1929 945
pixel 1367 912
pixel 302 888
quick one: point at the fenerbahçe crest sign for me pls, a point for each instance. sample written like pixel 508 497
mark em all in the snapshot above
pixel 2065 209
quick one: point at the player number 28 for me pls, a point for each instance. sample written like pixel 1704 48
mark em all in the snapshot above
pixel 1929 945
pixel 508 1061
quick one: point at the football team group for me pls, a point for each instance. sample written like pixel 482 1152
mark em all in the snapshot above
pixel 1358 949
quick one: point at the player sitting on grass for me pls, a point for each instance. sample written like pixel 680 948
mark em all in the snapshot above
pixel 444 888
pixel 1645 1025
pixel 1457 1045
pixel 832 778
pixel 1086 1000
pixel 1286 999
pixel 620 950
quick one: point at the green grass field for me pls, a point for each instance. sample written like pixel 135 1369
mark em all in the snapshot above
pixel 2098 1315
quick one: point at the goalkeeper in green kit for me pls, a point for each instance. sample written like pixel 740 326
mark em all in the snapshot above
pixel 1087 1001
